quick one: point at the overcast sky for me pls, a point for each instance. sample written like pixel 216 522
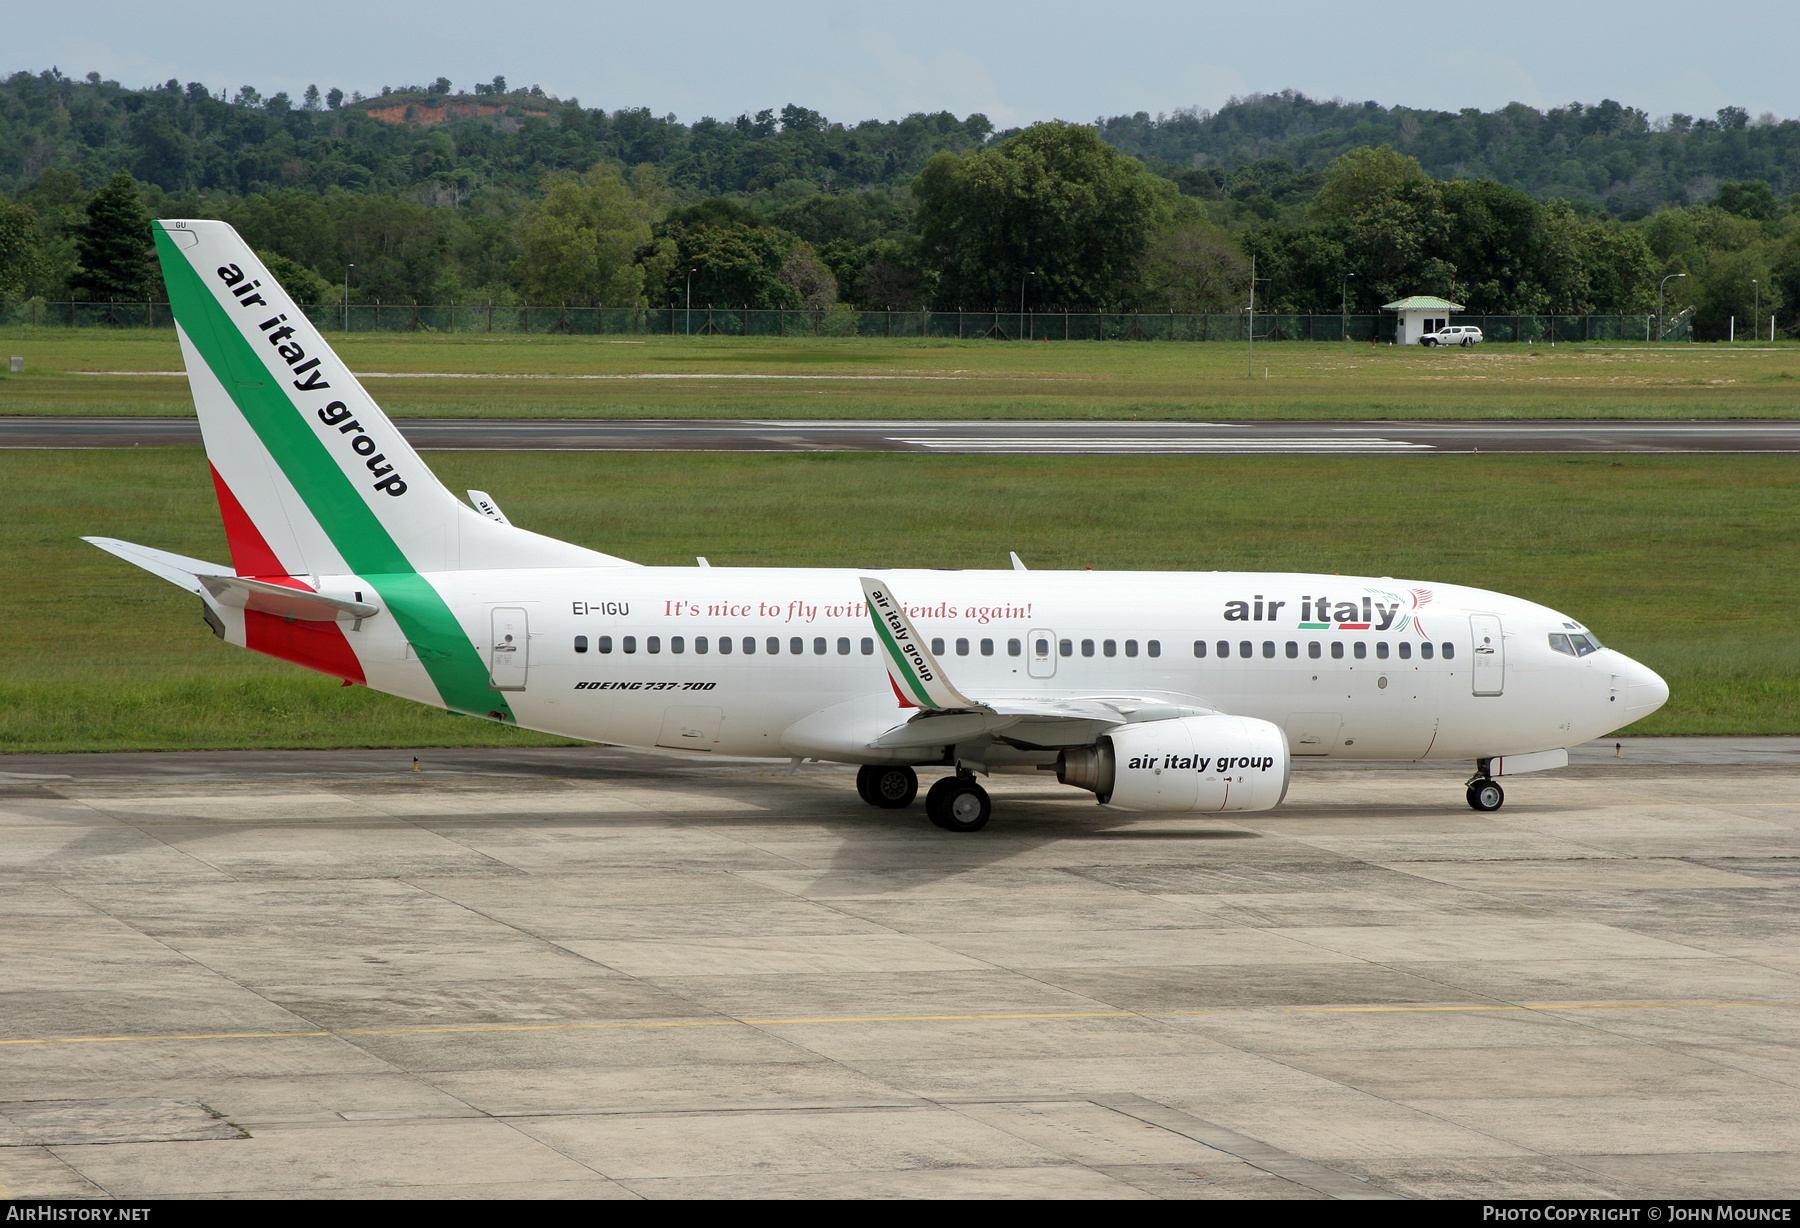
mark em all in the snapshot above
pixel 1018 63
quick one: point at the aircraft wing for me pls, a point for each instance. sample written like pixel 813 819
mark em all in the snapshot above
pixel 1072 720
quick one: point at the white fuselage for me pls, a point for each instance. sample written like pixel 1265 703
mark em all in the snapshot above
pixel 634 656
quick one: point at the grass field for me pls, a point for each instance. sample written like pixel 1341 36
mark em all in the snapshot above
pixel 678 377
pixel 1686 562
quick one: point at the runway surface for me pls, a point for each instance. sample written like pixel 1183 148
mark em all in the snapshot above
pixel 597 973
pixel 1014 438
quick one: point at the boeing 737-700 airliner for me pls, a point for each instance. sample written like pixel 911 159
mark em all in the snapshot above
pixel 1155 691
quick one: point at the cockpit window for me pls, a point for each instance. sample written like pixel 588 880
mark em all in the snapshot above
pixel 1560 643
pixel 1584 644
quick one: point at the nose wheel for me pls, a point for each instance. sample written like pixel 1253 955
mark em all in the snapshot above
pixel 957 803
pixel 1486 796
pixel 887 786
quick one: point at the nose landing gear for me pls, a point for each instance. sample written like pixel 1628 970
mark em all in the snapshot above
pixel 957 803
pixel 1485 794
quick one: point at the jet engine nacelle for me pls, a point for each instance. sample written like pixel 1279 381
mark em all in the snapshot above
pixel 1211 763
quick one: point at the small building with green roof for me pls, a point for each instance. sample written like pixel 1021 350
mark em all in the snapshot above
pixel 1419 315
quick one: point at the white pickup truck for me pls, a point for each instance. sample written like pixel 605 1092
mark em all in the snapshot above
pixel 1454 334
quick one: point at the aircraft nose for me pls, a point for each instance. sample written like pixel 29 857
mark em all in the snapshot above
pixel 1645 690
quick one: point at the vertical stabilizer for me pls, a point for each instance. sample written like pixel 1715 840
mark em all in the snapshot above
pixel 312 477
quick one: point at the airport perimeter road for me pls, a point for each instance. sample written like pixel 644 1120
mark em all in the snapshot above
pixel 595 973
pixel 1012 438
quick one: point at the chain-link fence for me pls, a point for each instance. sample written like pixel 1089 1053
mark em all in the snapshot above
pixel 845 322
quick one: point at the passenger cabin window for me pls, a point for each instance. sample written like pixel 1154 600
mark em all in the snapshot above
pixel 1110 648
pixel 1361 650
pixel 868 646
pixel 1014 648
pixel 1131 648
pixel 1405 650
pixel 725 645
pixel 818 646
pixel 937 645
pixel 796 645
pixel 987 648
pixel 1312 649
pixel 1224 648
pixel 1199 648
pixel 749 645
pixel 1087 648
pixel 677 644
pixel 1381 649
pixel 1425 651
pixel 843 645
pixel 1293 650
pixel 631 643
pixel 581 643
pixel 1066 647
pixel 962 647
pixel 1449 651
pixel 700 644
pixel 1246 649
pixel 1154 647
pixel 1269 650
pixel 1337 650
pixel 653 643
pixel 604 643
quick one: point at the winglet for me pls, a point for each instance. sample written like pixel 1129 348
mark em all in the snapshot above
pixel 917 677
pixel 1018 563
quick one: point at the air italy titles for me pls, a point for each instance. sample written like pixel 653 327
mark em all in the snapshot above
pixel 280 334
pixel 1319 613
pixel 896 627
pixel 1200 763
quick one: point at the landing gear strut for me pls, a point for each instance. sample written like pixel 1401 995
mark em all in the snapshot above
pixel 1485 794
pixel 957 803
pixel 887 786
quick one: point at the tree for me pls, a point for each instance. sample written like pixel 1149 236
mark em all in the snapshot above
pixel 1192 267
pixel 302 284
pixel 21 249
pixel 734 265
pixel 1751 198
pixel 1054 203
pixel 1365 178
pixel 808 277
pixel 113 244
pixel 581 239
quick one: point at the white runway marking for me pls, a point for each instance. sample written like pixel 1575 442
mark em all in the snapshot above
pixel 1029 445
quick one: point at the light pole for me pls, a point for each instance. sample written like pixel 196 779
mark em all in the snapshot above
pixel 1344 309
pixel 1028 276
pixel 1756 313
pixel 690 301
pixel 1659 302
pixel 347 269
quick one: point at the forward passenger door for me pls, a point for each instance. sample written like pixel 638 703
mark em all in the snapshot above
pixel 1487 669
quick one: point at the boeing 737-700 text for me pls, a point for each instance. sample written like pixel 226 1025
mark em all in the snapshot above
pixel 1174 692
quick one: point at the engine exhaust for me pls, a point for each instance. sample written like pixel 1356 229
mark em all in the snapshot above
pixel 1088 767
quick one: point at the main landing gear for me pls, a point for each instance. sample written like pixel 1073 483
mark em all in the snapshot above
pixel 957 803
pixel 1485 794
pixel 887 786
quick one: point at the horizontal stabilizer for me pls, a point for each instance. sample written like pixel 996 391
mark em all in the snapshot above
pixel 298 603
pixel 177 569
